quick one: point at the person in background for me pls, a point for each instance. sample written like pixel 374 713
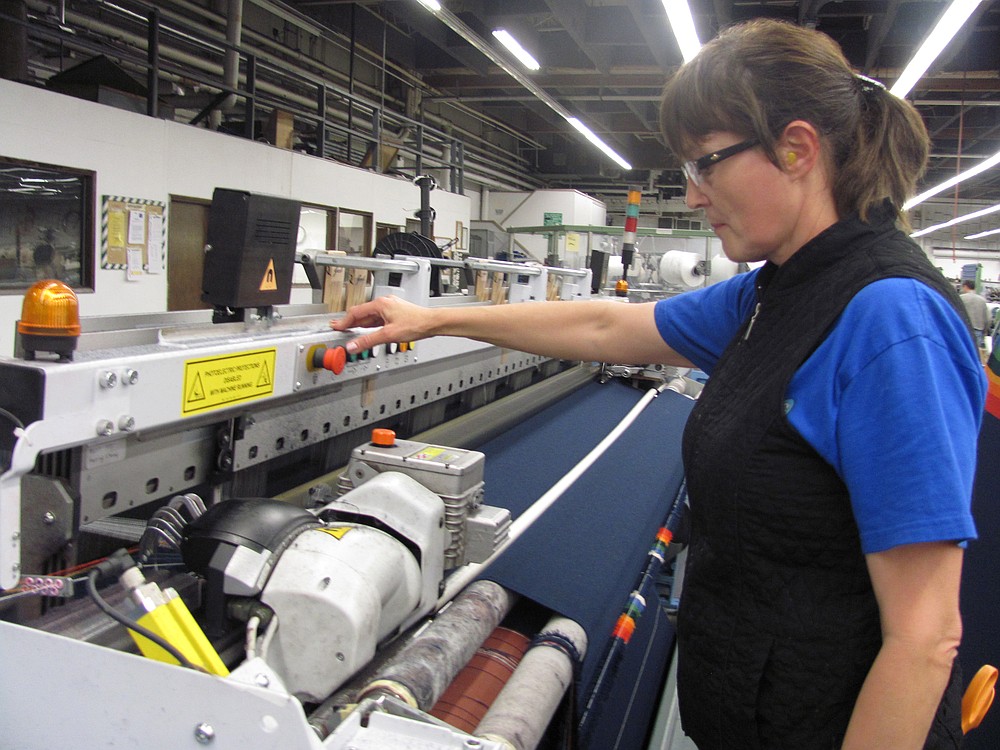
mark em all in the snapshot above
pixel 830 457
pixel 978 312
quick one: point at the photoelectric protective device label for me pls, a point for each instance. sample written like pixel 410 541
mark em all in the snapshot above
pixel 222 381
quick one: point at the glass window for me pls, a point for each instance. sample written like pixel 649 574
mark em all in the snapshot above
pixel 354 233
pixel 314 236
pixel 46 225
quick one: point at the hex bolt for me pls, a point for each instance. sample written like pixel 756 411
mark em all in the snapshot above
pixel 126 423
pixel 105 427
pixel 204 733
pixel 49 518
pixel 107 379
pixel 261 680
pixel 130 377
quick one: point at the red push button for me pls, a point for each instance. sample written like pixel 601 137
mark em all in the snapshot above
pixel 335 359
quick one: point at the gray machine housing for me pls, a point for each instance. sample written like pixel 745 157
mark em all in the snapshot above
pixel 475 530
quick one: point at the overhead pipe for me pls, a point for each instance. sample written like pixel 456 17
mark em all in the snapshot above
pixel 473 168
pixel 14 50
pixel 231 61
pixel 327 72
pixel 153 63
pixel 489 151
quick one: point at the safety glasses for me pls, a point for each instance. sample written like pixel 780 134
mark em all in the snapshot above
pixel 694 169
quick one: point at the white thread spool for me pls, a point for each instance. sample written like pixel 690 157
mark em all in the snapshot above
pixel 678 268
pixel 614 268
pixel 722 268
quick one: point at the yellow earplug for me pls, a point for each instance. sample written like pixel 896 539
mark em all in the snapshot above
pixel 791 158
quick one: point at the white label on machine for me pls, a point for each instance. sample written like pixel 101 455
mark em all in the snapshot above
pixel 101 454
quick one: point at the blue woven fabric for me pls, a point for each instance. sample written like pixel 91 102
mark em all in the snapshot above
pixel 584 556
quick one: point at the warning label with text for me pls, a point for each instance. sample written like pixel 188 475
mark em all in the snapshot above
pixel 221 381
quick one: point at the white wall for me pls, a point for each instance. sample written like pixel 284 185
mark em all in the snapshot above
pixel 952 268
pixel 948 248
pixel 142 157
pixel 524 208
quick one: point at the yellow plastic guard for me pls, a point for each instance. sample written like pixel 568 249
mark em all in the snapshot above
pixel 173 622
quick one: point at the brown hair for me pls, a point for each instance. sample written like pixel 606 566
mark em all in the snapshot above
pixel 756 77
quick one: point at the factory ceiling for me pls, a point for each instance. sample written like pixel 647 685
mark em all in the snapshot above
pixel 606 61
pixel 603 61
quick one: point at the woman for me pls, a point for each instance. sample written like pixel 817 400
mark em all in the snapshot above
pixel 830 457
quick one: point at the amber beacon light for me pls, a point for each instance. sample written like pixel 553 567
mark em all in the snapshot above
pixel 50 320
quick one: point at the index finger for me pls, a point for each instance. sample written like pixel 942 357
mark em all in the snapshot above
pixel 358 316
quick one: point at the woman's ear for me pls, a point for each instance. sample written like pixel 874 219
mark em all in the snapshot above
pixel 798 147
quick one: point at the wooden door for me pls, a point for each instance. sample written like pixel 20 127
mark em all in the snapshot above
pixel 187 231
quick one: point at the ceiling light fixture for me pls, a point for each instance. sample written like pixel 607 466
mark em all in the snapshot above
pixel 947 26
pixel 978 169
pixel 431 5
pixel 515 48
pixel 456 24
pixel 590 136
pixel 982 234
pixel 958 220
pixel 682 24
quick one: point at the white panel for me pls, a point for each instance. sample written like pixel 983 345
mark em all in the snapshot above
pixel 144 157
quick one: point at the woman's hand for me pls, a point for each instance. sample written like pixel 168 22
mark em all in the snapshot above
pixel 396 320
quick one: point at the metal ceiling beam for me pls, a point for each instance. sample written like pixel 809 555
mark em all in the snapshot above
pixel 878 30
pixel 576 23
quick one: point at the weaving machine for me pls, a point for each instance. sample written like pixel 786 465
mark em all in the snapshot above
pixel 313 550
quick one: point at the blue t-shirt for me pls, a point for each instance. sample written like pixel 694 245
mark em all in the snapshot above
pixel 892 400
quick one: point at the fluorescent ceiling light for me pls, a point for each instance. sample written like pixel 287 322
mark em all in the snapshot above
pixel 516 49
pixel 679 15
pixel 459 27
pixel 978 169
pixel 958 220
pixel 982 234
pixel 947 26
pixel 432 5
pixel 589 134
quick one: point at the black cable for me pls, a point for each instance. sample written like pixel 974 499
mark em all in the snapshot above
pixel 12 417
pixel 132 624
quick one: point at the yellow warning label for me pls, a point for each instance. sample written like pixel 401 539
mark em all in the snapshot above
pixel 270 282
pixel 222 381
pixel 436 454
pixel 337 531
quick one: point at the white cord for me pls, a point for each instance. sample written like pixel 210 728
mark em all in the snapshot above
pixel 251 637
pixel 465 575
pixel 265 643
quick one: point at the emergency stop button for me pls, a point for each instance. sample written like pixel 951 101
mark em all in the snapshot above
pixel 383 438
pixel 333 359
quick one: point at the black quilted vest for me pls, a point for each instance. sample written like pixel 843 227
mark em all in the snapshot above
pixel 778 623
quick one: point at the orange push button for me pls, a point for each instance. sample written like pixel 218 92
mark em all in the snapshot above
pixel 383 438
